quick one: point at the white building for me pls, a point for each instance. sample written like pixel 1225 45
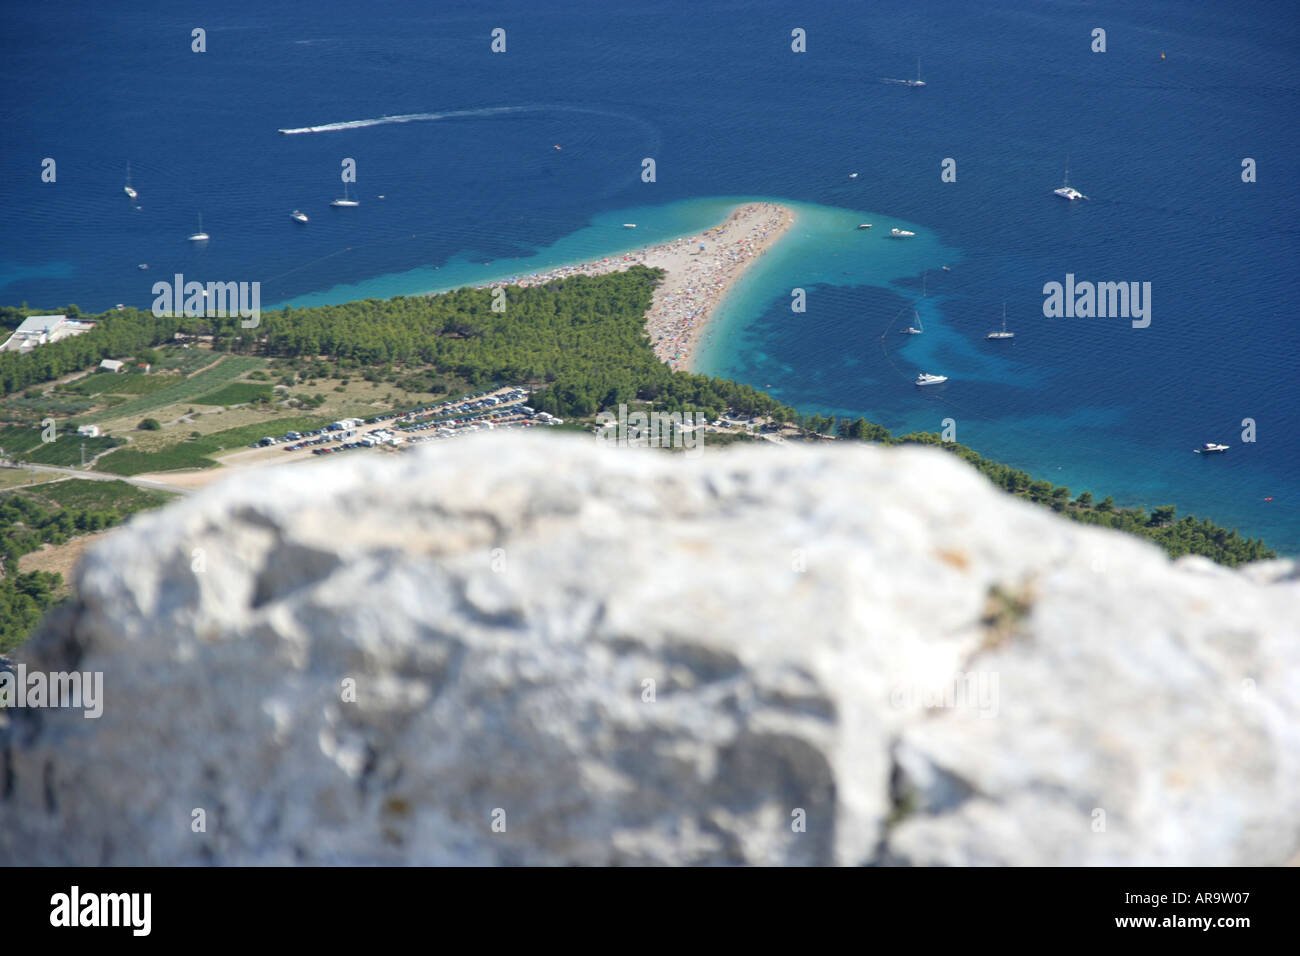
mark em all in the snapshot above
pixel 90 431
pixel 113 365
pixel 41 330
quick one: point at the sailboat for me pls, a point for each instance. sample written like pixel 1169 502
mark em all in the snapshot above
pixel 918 81
pixel 1004 334
pixel 130 193
pixel 1067 191
pixel 200 236
pixel 345 201
pixel 918 328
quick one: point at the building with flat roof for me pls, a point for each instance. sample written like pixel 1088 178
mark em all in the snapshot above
pixel 41 330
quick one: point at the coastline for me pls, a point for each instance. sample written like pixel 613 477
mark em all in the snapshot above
pixel 700 269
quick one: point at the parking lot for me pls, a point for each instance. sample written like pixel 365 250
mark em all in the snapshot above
pixel 497 408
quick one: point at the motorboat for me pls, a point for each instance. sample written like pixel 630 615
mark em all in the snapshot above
pixel 926 379
pixel 1210 448
pixel 900 234
pixel 297 216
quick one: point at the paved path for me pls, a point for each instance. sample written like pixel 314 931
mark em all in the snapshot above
pixel 101 476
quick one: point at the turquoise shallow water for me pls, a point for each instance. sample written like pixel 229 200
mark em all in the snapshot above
pixel 603 236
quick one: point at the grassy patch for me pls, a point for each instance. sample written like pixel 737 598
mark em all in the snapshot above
pixel 14 477
pixel 108 383
pixel 187 390
pixel 57 403
pixel 85 493
pixel 24 442
pixel 195 452
pixel 66 451
pixel 236 393
pixel 131 461
pixel 16 440
pixel 187 361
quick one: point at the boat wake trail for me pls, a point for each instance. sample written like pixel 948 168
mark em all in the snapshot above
pixel 403 118
pixel 452 114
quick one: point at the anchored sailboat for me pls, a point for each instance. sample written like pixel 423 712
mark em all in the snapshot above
pixel 345 201
pixel 1004 334
pixel 918 81
pixel 918 328
pixel 200 236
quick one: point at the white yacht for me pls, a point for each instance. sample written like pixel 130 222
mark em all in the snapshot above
pixel 926 379
pixel 918 81
pixel 900 234
pixel 853 175
pixel 200 236
pixel 914 329
pixel 130 193
pixel 1067 191
pixel 629 225
pixel 864 225
pixel 1004 334
pixel 1210 448
pixel 345 201
pixel 297 216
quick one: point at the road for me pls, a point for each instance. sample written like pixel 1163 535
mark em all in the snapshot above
pixel 101 476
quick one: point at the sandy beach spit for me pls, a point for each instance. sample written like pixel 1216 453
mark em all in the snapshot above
pixel 700 270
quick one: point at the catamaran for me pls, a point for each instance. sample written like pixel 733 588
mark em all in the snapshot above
pixel 1004 334
pixel 130 193
pixel 345 201
pixel 200 236
pixel 926 379
pixel 1067 191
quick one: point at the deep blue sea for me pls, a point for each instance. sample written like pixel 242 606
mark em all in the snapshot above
pixel 714 94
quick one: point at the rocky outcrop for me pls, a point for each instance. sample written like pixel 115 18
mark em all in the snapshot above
pixel 533 650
